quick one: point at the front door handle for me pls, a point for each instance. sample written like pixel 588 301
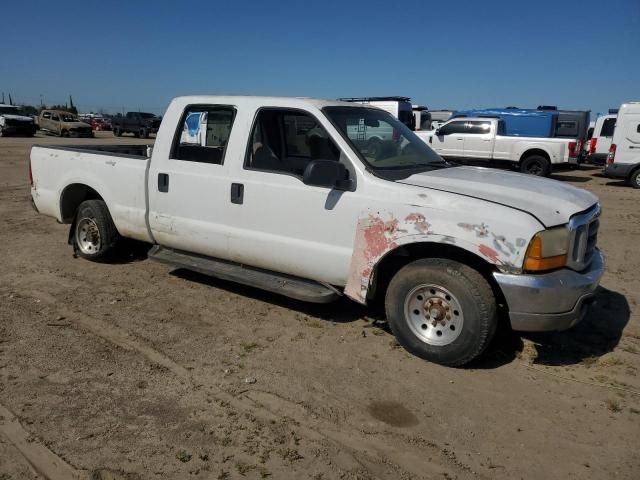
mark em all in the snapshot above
pixel 163 182
pixel 237 193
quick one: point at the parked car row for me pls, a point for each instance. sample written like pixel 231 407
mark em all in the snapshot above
pixel 533 140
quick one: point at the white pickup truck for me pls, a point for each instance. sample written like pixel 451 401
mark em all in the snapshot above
pixel 279 193
pixel 480 139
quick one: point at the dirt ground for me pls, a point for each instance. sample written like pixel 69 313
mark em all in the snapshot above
pixel 132 371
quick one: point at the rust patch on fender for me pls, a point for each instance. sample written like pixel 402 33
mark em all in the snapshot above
pixel 488 252
pixel 374 237
pixel 419 222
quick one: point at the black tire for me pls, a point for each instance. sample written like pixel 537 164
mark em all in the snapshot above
pixel 144 133
pixel 536 165
pixel 2 134
pixel 93 217
pixel 634 178
pixel 470 293
pixel 117 132
pixel 64 133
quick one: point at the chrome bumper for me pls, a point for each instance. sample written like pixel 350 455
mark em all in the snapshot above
pixel 551 301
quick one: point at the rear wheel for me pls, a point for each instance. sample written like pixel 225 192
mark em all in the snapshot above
pixel 117 132
pixel 634 179
pixel 94 235
pixel 536 165
pixel 144 133
pixel 441 310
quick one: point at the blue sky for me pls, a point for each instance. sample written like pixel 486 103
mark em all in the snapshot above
pixel 578 54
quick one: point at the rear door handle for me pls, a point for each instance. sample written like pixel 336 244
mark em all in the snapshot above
pixel 237 193
pixel 163 182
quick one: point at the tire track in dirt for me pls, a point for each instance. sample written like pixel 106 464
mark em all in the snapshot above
pixel 365 451
pixel 42 460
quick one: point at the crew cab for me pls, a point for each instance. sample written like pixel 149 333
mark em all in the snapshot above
pixel 141 124
pixel 482 139
pixel 282 194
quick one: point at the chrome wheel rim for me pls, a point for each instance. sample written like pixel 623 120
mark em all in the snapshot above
pixel 88 236
pixel 434 314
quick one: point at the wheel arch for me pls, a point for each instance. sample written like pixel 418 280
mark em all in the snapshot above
pixel 71 198
pixel 402 255
pixel 534 151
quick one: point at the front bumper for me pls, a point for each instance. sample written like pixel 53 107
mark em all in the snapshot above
pixel 551 301
pixel 19 129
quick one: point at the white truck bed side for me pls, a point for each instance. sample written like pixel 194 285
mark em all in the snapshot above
pixel 119 179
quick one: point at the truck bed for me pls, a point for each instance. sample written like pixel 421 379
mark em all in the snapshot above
pixel 116 173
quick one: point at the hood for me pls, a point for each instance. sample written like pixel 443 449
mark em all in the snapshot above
pixel 21 118
pixel 552 202
pixel 77 125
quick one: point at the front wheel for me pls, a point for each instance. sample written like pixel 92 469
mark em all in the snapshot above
pixel 94 235
pixel 441 310
pixel 536 165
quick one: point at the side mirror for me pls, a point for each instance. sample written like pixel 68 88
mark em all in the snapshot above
pixel 326 173
pixel 438 132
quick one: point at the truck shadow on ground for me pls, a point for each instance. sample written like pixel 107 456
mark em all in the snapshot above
pixel 597 335
pixel 570 178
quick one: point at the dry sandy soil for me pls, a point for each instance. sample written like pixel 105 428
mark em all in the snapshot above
pixel 132 371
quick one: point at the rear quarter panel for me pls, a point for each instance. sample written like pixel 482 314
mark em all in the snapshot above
pixel 120 181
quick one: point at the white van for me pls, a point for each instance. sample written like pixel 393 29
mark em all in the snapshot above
pixel 399 107
pixel 623 160
pixel 601 138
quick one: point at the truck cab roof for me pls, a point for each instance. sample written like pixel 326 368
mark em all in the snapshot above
pixel 245 100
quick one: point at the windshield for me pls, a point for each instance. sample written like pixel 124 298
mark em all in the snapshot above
pixel 9 110
pixel 383 142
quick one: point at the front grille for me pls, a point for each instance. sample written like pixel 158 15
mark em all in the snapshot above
pixel 584 237
pixel 12 122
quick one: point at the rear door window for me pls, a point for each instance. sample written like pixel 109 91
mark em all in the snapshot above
pixel 476 127
pixel 608 126
pixel 204 134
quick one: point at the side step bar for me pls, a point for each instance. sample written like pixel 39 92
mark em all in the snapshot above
pixel 287 285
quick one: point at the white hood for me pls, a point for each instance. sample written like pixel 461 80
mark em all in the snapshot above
pixel 550 201
pixel 16 117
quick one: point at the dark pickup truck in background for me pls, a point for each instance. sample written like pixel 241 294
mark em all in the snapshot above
pixel 141 124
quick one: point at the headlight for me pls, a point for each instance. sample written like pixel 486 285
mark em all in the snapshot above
pixel 547 250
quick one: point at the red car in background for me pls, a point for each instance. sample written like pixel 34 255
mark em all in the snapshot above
pixel 99 123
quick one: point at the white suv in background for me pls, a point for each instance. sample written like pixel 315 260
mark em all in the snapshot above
pixel 598 145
